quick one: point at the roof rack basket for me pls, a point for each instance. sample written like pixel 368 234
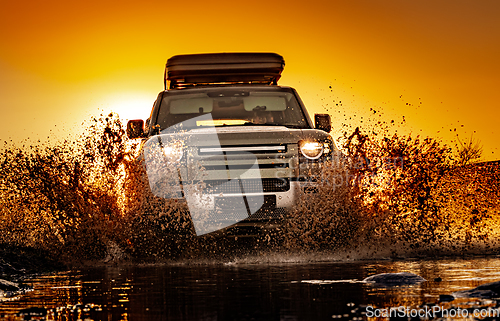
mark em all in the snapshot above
pixel 185 71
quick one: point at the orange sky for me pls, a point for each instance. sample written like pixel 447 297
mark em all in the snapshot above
pixel 435 62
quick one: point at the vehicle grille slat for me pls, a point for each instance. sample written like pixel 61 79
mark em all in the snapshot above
pixel 258 149
pixel 245 166
pixel 266 185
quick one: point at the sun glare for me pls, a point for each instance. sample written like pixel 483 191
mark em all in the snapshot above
pixel 130 105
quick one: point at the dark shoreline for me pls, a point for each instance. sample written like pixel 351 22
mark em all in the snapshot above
pixel 18 261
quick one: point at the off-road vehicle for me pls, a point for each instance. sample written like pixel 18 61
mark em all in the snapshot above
pixel 231 142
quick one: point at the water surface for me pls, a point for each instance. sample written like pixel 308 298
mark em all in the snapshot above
pixel 245 289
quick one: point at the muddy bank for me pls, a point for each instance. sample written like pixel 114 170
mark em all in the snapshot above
pixel 20 263
pixel 17 261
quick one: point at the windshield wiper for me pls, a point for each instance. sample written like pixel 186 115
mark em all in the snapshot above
pixel 249 123
pixel 274 124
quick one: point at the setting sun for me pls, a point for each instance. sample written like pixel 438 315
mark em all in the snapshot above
pixel 128 105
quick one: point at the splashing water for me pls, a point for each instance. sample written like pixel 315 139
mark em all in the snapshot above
pixel 400 196
pixel 66 197
pixel 391 196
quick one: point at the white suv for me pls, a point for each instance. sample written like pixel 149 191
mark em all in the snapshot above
pixel 224 137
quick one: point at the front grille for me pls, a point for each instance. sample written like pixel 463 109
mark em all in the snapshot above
pixel 268 214
pixel 256 149
pixel 263 214
pixel 245 166
pixel 264 185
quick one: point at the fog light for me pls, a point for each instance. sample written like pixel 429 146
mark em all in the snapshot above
pixel 311 150
pixel 173 152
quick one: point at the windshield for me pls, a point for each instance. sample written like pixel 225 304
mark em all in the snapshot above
pixel 230 107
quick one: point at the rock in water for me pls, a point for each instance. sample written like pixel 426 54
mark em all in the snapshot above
pixel 484 291
pixel 8 286
pixel 394 279
pixel 446 298
pixel 9 289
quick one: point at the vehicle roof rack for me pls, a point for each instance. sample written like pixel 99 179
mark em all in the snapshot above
pixel 183 71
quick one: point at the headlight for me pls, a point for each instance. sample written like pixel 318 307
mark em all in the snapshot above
pixel 311 150
pixel 173 152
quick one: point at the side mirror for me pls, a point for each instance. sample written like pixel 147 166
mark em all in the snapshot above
pixel 323 122
pixel 135 128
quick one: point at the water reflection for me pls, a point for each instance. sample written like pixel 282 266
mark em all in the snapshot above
pixel 242 291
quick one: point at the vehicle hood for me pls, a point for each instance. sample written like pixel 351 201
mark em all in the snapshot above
pixel 245 135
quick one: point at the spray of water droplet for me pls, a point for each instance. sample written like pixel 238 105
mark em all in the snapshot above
pixel 88 199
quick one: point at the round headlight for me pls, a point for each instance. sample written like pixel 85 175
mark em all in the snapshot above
pixel 311 150
pixel 173 152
